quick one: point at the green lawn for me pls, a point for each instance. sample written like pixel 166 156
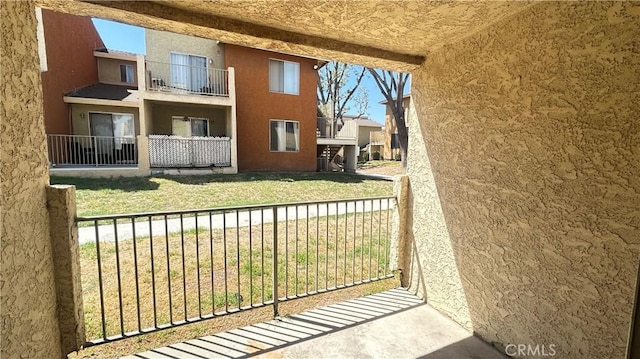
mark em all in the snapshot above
pixel 146 194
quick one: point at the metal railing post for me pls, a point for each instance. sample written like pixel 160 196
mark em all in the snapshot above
pixel 275 261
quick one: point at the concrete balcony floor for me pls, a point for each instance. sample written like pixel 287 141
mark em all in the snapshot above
pixel 391 324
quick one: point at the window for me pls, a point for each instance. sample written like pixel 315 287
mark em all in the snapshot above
pixel 126 73
pixel 285 136
pixel 189 72
pixel 190 126
pixel 113 129
pixel 395 143
pixel 284 77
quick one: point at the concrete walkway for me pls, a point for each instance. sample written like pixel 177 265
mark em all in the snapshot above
pixel 206 221
pixel 392 324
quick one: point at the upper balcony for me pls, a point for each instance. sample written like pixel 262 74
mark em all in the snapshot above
pixel 186 83
pixel 376 138
pixel 338 135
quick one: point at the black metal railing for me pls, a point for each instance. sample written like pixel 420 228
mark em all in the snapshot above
pixel 145 272
pixel 91 151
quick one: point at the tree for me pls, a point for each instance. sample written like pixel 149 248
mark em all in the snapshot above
pixel 339 91
pixel 391 85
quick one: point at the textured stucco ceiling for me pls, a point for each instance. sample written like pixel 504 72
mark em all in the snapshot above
pixel 407 27
pixel 387 34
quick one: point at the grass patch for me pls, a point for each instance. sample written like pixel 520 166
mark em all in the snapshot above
pixel 100 196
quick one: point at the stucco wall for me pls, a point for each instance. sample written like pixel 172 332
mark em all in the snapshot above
pixel 163 123
pixel 109 71
pixel 531 130
pixel 80 116
pixel 257 105
pixel 28 299
pixel 66 36
pixel 363 135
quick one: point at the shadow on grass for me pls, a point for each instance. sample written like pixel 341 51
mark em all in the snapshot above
pixel 133 184
pixel 127 184
pixel 338 177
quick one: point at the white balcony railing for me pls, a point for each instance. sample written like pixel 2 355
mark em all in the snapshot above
pixel 91 151
pixel 376 137
pixel 184 79
pixel 177 152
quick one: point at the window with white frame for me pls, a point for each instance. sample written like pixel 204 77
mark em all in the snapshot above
pixel 126 73
pixel 284 77
pixel 284 136
pixel 190 126
pixel 189 72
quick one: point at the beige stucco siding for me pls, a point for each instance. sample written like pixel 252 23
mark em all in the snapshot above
pixel 531 132
pixel 29 327
pixel 80 116
pixel 363 135
pixel 163 113
pixel 109 71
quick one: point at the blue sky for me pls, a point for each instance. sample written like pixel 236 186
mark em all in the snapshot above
pixel 129 38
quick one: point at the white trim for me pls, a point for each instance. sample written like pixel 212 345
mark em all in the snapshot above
pixel 42 46
pixel 115 56
pixel 99 102
pixel 285 121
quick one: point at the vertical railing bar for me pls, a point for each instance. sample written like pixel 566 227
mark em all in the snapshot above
pixel 275 262
pixel 198 265
pixel 166 239
pixel 317 243
pixel 326 258
pixel 184 272
pixel 102 313
pixel 296 259
pixel 286 252
pixel 362 248
pixel 306 271
pixel 355 229
pixel 346 236
pixel 135 269
pixel 153 274
pixel 386 242
pixel 239 296
pixel 226 275
pixel 250 261
pixel 370 236
pixel 262 249
pixel 379 234
pixel 335 278
pixel 213 297
pixel 115 237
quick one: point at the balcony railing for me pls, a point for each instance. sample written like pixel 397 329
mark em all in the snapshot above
pixel 181 152
pixel 348 130
pixel 146 272
pixel 184 79
pixel 376 137
pixel 91 151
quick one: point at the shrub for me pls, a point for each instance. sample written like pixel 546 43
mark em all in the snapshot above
pixel 365 157
pixel 398 157
pixel 375 156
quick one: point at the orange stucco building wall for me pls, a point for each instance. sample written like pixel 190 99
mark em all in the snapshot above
pixel 70 41
pixel 256 105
